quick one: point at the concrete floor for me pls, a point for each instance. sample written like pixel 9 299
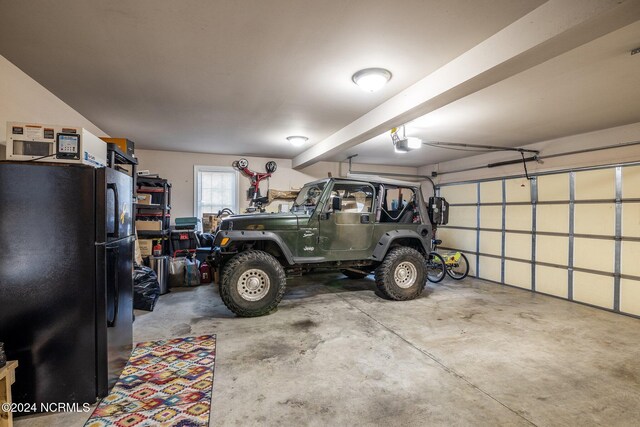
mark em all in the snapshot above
pixel 465 353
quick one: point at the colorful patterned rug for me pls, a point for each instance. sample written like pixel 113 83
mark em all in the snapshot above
pixel 165 383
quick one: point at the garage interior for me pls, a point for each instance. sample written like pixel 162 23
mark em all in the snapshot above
pixel 523 115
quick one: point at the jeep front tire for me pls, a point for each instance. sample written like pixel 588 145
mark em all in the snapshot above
pixel 253 283
pixel 402 274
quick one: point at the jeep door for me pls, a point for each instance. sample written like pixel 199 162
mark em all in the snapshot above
pixel 347 233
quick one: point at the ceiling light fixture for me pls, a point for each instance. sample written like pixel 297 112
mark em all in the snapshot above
pixel 371 79
pixel 297 141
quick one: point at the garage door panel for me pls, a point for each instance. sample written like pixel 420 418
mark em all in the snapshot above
pixel 472 264
pixel 463 193
pixel 518 245
pixel 490 268
pixel 517 274
pixel 594 254
pixel 630 296
pixel 518 190
pixel 491 217
pixel 596 184
pixel 463 216
pixel 630 258
pixel 553 187
pixel 491 192
pixel 518 217
pixel 491 243
pixel 465 240
pixel 552 218
pixel 599 219
pixel 592 279
pixel 630 182
pixel 593 289
pixel 631 219
pixel 552 281
pixel 552 249
pixel 444 234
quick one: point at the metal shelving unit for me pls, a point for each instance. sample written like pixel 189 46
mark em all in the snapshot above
pixel 160 190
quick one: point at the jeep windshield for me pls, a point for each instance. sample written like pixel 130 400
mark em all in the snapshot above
pixel 308 197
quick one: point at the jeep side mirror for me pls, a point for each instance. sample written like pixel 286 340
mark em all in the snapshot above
pixel 336 204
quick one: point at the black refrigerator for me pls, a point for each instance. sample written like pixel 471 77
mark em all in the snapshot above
pixel 66 279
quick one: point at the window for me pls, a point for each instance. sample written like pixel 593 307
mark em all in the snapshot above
pixel 356 198
pixel 309 196
pixel 398 205
pixel 397 198
pixel 215 188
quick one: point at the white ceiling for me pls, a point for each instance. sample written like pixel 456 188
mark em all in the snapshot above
pixel 595 86
pixel 237 77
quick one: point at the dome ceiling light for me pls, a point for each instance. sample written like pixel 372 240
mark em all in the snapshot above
pixel 297 141
pixel 371 79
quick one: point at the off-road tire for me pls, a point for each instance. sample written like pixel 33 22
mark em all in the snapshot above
pixel 386 273
pixel 233 273
pixel 353 274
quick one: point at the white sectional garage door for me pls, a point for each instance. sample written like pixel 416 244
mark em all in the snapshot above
pixel 574 235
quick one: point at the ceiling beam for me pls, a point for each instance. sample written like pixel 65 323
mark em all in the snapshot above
pixel 555 27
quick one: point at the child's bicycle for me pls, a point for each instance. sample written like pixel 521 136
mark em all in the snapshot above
pixel 454 264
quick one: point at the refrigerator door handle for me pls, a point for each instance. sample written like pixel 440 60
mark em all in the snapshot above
pixel 116 292
pixel 116 210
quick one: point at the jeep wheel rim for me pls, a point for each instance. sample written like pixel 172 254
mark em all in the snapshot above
pixel 253 285
pixel 405 274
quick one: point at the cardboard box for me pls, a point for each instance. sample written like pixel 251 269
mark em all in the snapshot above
pixel 210 222
pixel 146 247
pixel 144 199
pixel 137 254
pixel 149 225
pixel 125 145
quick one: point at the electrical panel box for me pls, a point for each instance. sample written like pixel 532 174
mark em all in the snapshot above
pixel 438 210
pixel 54 143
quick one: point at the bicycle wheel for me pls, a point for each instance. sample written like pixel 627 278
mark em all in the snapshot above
pixel 435 267
pixel 458 269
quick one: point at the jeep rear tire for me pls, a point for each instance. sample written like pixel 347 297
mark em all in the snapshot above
pixel 402 274
pixel 353 274
pixel 253 283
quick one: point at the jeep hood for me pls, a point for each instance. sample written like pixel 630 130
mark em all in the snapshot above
pixel 264 221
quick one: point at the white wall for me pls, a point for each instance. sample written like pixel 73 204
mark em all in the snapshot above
pixel 178 167
pixel 617 135
pixel 22 99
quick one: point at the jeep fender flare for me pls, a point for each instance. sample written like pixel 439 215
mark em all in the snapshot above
pixel 257 236
pixel 421 234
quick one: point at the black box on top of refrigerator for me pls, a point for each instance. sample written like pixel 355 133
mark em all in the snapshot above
pixel 66 279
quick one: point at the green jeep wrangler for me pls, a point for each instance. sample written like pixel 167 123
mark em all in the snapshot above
pixel 352 225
